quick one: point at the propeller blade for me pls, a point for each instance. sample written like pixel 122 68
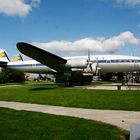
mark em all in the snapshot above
pixel 88 55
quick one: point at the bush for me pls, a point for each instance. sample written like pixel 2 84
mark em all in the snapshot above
pixel 11 76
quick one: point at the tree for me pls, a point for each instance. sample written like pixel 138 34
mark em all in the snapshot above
pixel 11 76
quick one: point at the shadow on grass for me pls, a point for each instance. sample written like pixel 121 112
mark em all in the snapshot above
pixel 40 88
pixel 44 87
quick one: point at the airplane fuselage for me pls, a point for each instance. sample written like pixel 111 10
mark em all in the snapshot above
pixel 117 63
pixel 30 66
pixel 105 64
pixel 109 63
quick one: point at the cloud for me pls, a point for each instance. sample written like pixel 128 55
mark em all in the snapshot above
pixel 17 7
pixel 129 2
pixel 99 44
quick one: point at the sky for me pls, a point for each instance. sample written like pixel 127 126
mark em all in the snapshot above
pixel 71 27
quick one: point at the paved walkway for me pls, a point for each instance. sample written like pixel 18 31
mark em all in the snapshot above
pixel 123 119
pixel 114 86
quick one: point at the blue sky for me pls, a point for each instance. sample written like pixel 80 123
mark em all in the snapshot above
pixel 71 27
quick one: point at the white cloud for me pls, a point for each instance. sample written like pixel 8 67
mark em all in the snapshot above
pixel 17 7
pixel 100 44
pixel 129 2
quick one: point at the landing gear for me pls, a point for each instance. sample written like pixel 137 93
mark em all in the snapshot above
pixel 74 78
pixel 80 79
pixel 120 76
pixel 106 77
pixel 109 76
pixel 68 82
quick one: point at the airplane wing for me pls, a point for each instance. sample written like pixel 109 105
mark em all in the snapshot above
pixel 41 55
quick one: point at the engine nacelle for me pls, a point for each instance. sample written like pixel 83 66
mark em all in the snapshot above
pixel 94 68
pixel 77 63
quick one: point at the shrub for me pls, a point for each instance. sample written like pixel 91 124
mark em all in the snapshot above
pixel 11 76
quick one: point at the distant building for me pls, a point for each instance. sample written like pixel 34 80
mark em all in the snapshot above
pixel 38 77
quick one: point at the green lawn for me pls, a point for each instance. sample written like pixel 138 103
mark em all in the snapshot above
pixel 23 125
pixel 53 95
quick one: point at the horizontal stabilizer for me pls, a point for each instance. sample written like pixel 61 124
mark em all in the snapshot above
pixel 41 55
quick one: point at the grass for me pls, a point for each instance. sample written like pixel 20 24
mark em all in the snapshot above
pixel 23 125
pixel 82 98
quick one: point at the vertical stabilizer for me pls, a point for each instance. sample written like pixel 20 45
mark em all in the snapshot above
pixel 3 56
pixel 18 57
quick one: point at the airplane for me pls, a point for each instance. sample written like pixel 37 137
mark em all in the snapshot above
pixel 82 67
pixel 85 66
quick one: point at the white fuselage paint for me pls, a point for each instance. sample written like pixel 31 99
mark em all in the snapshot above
pixel 117 63
pixel 106 64
pixel 109 63
pixel 30 66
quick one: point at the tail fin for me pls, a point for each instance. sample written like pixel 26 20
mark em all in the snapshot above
pixel 18 57
pixel 3 56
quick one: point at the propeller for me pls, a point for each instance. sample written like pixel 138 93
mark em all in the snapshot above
pixel 88 55
pixel 89 62
pixel 92 66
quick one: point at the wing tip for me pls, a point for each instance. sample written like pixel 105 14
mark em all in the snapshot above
pixel 20 44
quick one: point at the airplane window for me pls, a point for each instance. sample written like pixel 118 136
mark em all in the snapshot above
pixel 114 61
pixel 102 61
